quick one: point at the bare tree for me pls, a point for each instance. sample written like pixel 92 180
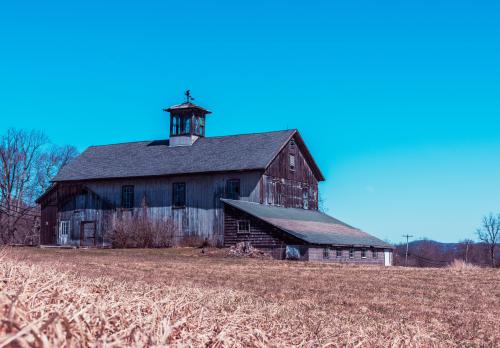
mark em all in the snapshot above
pixel 50 162
pixel 489 233
pixel 27 163
pixel 19 152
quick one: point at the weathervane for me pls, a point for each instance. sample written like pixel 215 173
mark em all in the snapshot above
pixel 189 99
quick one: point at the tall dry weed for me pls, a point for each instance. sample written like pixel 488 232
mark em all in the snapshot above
pixel 177 297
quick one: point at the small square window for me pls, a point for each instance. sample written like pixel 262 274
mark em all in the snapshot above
pixel 374 253
pixel 338 252
pixel 243 226
pixel 363 253
pixel 292 162
pixel 351 253
pixel 326 253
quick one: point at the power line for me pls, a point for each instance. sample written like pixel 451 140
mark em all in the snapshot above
pixel 13 211
pixel 19 216
pixel 13 214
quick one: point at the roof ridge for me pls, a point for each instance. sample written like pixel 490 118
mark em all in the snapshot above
pixel 214 137
pixel 253 133
pixel 124 142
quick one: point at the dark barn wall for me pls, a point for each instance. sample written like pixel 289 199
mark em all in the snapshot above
pixel 48 219
pixel 282 186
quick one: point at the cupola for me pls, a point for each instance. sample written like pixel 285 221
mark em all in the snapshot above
pixel 187 122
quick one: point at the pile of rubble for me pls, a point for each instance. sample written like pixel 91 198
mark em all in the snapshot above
pixel 245 249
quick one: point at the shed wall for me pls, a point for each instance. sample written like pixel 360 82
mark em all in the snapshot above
pixel 262 235
pixel 317 254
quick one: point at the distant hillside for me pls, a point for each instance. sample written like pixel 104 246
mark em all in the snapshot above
pixel 430 253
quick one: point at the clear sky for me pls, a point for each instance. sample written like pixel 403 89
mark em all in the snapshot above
pixel 398 101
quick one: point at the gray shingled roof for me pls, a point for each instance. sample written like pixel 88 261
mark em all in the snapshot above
pixel 150 158
pixel 310 226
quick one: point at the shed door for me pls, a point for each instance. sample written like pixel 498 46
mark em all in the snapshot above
pixel 387 257
pixel 63 232
pixel 87 233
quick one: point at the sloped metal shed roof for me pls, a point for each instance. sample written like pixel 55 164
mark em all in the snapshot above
pixel 310 226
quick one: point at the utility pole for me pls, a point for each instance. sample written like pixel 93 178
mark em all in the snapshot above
pixel 407 236
pixel 467 242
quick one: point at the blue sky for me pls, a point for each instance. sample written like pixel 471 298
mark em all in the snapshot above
pixel 399 101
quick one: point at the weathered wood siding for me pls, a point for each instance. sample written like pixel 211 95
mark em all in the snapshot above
pixel 48 220
pixel 85 206
pixel 99 201
pixel 282 186
pixel 262 235
pixel 318 254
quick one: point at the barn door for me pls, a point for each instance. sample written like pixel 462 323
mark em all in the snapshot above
pixel 87 233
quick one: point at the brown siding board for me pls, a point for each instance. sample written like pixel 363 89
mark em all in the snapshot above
pixel 262 235
pixel 284 187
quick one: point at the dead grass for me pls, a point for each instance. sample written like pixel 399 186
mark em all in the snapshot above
pixel 181 297
pixel 462 265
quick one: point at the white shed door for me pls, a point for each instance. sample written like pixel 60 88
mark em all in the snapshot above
pixel 63 232
pixel 387 257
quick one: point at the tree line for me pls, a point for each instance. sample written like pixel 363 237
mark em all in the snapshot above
pixel 28 162
pixel 428 253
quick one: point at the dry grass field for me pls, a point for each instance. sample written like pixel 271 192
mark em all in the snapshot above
pixel 181 297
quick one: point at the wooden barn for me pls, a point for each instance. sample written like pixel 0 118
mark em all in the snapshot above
pixel 260 188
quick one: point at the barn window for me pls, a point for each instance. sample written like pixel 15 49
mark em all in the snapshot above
pixel 196 125
pixel 244 226
pixel 179 194
pixel 186 124
pixel 363 253
pixel 292 144
pixel 233 189
pixel 326 253
pixel 339 252
pixel 202 125
pixel 64 228
pixel 374 253
pixel 80 201
pixel 305 198
pixel 292 162
pixel 351 253
pixel 176 125
pixel 127 196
